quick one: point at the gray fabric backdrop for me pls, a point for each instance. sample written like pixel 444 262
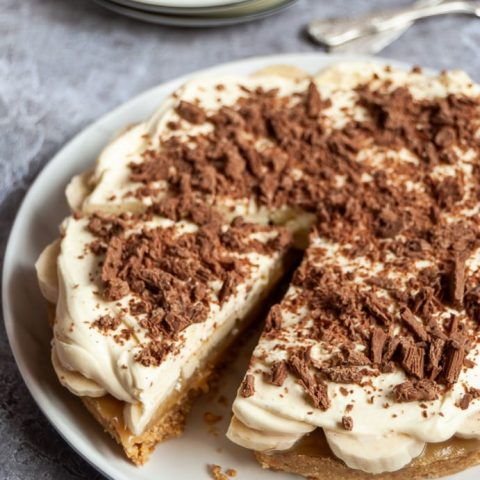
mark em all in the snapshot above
pixel 63 63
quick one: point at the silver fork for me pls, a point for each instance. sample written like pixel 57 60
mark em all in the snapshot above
pixel 336 32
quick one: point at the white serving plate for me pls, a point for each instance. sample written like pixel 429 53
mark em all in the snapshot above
pixel 234 15
pixel 242 8
pixel 24 309
pixel 190 3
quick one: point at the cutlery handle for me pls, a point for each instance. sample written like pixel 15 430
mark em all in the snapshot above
pixel 336 32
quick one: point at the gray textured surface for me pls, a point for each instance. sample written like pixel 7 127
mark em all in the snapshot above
pixel 63 63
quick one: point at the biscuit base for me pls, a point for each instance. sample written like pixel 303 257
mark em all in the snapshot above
pixel 170 423
pixel 313 459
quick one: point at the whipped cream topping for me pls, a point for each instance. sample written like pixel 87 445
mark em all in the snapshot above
pixel 91 362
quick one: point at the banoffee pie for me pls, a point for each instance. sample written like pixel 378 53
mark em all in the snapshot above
pixel 369 365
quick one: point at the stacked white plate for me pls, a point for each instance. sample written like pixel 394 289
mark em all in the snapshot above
pixel 196 13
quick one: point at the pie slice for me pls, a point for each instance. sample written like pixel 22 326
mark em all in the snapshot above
pixel 369 365
pixel 147 306
pixel 188 277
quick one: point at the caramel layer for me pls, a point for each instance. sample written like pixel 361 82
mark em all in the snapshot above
pixel 315 445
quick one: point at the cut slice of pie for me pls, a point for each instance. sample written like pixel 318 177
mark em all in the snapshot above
pixel 369 365
pixel 149 285
pixel 147 306
pixel 182 230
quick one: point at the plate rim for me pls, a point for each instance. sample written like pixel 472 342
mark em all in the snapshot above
pixel 215 11
pixel 191 3
pixel 318 59
pixel 153 6
pixel 190 21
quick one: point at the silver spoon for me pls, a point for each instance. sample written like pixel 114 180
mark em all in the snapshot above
pixel 374 43
pixel 336 32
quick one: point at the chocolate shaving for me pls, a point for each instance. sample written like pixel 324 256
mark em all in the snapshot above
pixel 354 357
pixel 391 349
pixel 472 304
pixel 247 389
pixel 315 389
pixel 448 192
pixel 416 390
pixel 278 373
pixel 456 281
pixel 435 352
pixel 105 323
pixel 389 223
pixel 227 289
pixel 346 374
pixel 378 309
pixel 318 395
pixel 191 113
pixel 314 102
pixel 453 364
pixel 413 324
pixel 379 337
pixel 151 354
pixel 274 319
pixel 445 137
pixel 413 359
pixel 465 401
pixel 347 423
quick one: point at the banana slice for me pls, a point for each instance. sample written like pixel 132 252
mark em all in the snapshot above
pixel 376 453
pixel 74 381
pixel 247 437
pixel 470 428
pixel 348 75
pixel 285 71
pixel 46 267
pixel 78 189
